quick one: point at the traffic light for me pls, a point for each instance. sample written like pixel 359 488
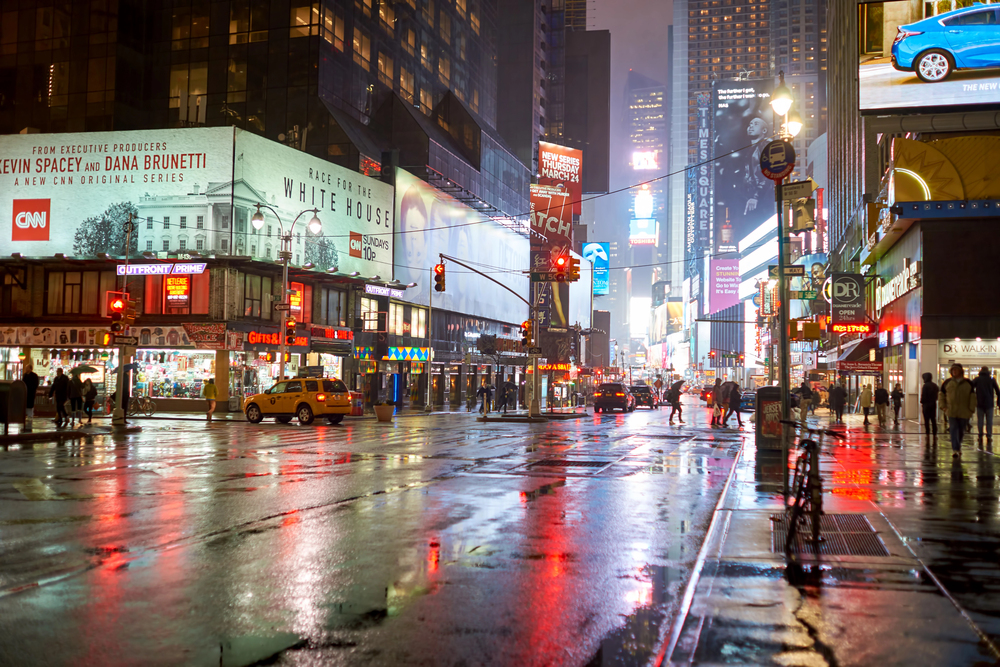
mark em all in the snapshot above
pixel 574 270
pixel 711 355
pixel 439 277
pixel 129 311
pixel 116 309
pixel 526 333
pixel 289 331
pixel 561 266
pixel 105 339
pixel 741 358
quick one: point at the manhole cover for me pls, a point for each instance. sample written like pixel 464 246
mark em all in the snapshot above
pixel 842 535
pixel 562 463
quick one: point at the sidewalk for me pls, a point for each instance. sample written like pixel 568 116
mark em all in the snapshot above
pixel 926 599
pixel 45 430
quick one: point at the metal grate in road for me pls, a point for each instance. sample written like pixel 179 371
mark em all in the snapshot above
pixel 842 535
pixel 563 463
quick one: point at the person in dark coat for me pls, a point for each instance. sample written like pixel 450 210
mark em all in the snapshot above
pixel 59 389
pixel 838 400
pixel 735 399
pixel 928 403
pixel 897 401
pixel 674 399
pixel 986 389
pixel 30 379
pixel 881 404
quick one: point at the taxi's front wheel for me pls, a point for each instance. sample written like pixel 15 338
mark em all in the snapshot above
pixel 335 419
pixel 254 415
pixel 305 414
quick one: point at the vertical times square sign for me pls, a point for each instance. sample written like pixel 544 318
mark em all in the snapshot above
pixel 698 203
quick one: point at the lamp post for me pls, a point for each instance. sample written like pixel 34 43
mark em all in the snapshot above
pixel 285 254
pixel 781 103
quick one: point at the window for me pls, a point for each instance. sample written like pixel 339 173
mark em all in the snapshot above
pixel 388 16
pixel 444 28
pixel 406 84
pixel 73 292
pixel 166 245
pixel 251 296
pixel 184 222
pixel 333 29
pixel 199 244
pixel 225 245
pixel 369 314
pixel 362 48
pixel 293 387
pixel 385 69
pixel 166 222
pixel 149 222
pixel 304 19
pixel 426 101
pixel 429 12
pixel 188 86
pixel 200 222
pixel 418 317
pixel 410 41
pixel 312 385
pixel 444 70
pixel 182 244
pixel 396 319
pixel 149 244
pixel 988 17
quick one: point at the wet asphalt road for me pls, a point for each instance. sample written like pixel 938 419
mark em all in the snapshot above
pixel 434 540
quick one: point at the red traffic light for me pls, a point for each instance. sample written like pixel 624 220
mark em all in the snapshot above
pixel 561 261
pixel 439 269
pixel 117 305
pixel 290 323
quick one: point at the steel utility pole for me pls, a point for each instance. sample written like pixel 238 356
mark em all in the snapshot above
pixel 118 414
pixel 430 339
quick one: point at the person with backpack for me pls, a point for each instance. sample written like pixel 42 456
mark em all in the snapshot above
pixel 897 402
pixel 986 389
pixel 958 402
pixel 881 403
pixel 928 404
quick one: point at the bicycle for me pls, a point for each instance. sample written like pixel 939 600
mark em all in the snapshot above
pixel 142 404
pixel 807 487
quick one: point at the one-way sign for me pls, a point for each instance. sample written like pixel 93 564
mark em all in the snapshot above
pixel 125 341
pixel 794 270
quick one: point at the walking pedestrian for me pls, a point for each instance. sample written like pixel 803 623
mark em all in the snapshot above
pixel 928 403
pixel 89 396
pixel 735 400
pixel 75 394
pixel 211 393
pixel 881 403
pixel 897 402
pixel 714 403
pixel 482 392
pixel 866 401
pixel 674 398
pixel 986 389
pixel 838 400
pixel 805 393
pixel 30 379
pixel 59 390
pixel 502 398
pixel 958 402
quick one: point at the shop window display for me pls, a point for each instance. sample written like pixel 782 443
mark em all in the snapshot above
pixel 173 373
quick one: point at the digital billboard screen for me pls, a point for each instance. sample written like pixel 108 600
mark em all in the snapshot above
pixel 744 198
pixel 921 56
pixel 643 231
pixel 599 255
pixel 562 166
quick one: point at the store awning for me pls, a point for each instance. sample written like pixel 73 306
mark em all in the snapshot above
pixel 857 359
pixel 859 350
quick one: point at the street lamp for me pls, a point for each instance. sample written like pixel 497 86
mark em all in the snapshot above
pixel 781 102
pixel 285 255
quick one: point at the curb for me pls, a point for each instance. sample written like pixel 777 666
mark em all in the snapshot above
pixel 59 436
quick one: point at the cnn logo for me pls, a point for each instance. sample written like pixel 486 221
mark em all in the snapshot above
pixel 355 247
pixel 31 220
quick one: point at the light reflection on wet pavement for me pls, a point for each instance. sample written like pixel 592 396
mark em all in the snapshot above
pixel 433 540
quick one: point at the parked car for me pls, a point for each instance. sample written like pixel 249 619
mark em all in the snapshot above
pixel 305 398
pixel 965 38
pixel 644 396
pixel 613 396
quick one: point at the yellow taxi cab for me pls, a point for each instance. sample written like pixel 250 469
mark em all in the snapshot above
pixel 305 398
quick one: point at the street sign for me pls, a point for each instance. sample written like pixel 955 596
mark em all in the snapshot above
pixel 125 341
pixel 793 270
pixel 798 190
pixel 808 295
pixel 777 160
pixel 547 277
pixel 534 350
pixel 282 306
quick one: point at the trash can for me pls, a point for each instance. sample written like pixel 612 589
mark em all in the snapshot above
pixel 357 404
pixel 767 417
pixel 13 401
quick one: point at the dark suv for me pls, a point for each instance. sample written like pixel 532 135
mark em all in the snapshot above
pixel 613 396
pixel 643 396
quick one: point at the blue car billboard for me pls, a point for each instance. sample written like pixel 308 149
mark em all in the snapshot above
pixel 914 58
pixel 599 255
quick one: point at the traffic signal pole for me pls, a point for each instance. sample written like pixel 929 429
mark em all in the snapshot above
pixel 118 415
pixel 430 340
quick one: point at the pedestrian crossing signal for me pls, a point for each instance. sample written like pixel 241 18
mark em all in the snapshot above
pixel 439 277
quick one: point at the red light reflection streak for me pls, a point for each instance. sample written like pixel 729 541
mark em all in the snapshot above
pixel 856 474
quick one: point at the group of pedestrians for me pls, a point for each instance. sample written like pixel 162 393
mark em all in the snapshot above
pixel 959 399
pixel 727 400
pixel 880 400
